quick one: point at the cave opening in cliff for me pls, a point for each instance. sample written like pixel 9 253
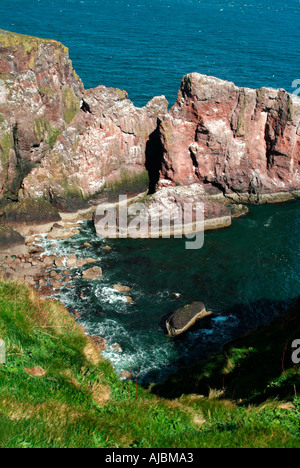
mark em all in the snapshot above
pixel 154 159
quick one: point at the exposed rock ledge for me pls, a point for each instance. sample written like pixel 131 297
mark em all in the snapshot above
pixel 164 213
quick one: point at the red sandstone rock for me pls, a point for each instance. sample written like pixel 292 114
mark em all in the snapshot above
pixel 39 96
pixel 101 146
pixel 65 144
pixel 238 139
pixel 58 141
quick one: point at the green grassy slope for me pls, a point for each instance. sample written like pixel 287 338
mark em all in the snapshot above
pixel 76 400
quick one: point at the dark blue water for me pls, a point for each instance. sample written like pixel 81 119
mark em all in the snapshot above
pixel 247 274
pixel 146 46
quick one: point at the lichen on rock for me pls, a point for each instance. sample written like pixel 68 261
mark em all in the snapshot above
pixel 29 212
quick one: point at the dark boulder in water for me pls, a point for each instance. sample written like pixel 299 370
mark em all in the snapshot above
pixel 185 317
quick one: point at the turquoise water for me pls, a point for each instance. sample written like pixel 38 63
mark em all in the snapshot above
pixel 246 274
pixel 146 46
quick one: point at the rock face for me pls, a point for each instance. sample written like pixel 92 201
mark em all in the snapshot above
pixel 10 238
pixel 40 94
pixel 104 145
pixel 241 140
pixel 171 211
pixel 68 145
pixel 180 203
pixel 58 141
pixel 185 318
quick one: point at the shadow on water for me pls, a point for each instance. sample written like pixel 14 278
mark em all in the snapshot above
pixel 206 341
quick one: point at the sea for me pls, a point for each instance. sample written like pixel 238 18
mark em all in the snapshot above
pixel 247 274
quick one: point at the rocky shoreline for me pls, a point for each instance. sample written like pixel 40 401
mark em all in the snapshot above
pixel 30 263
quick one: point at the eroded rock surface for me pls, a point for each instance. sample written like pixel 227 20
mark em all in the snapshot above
pixel 40 94
pixel 69 146
pixel 105 145
pixel 241 140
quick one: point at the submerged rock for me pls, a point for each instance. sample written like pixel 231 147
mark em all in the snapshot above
pixel 238 210
pixel 129 299
pixel 185 317
pixel 92 273
pixel 121 289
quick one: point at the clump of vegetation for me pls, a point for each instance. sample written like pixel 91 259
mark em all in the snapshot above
pixel 29 211
pixel 44 131
pixel 14 40
pixel 29 45
pixel 129 183
pixel 6 145
pixel 56 391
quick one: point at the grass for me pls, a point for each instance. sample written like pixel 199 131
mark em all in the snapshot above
pixel 79 402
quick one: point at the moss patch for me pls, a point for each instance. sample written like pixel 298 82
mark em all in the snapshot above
pixel 71 105
pixel 29 211
pixel 6 145
pixel 129 182
pixel 27 43
pixel 241 124
pixel 290 109
pixel 44 131
pixel 122 94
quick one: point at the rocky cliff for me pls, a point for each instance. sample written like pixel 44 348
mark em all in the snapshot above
pixel 104 145
pixel 39 95
pixel 242 141
pixel 67 145
pixel 57 140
